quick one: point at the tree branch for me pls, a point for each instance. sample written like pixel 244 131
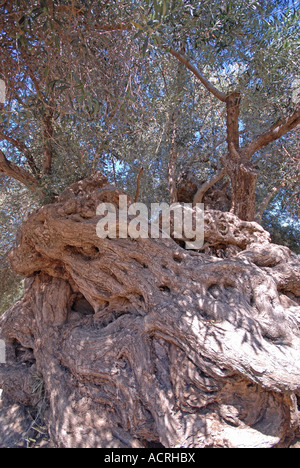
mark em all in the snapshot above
pixel 273 134
pixel 233 112
pixel 23 149
pixel 208 85
pixel 173 159
pixel 47 117
pixel 16 172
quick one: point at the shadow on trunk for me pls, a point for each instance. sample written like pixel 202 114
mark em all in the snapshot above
pixel 140 343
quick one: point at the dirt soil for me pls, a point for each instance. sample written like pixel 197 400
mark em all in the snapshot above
pixel 20 427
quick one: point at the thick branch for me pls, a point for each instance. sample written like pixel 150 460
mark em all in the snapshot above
pixel 16 172
pixel 174 146
pixel 273 134
pixel 158 344
pixel 208 85
pixel 23 149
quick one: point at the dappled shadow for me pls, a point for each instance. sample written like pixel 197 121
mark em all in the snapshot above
pixel 20 426
pixel 139 341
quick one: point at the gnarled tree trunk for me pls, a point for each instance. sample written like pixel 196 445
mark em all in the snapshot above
pixel 140 341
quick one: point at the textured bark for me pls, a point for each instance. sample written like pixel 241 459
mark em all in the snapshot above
pixel 232 120
pixel 173 159
pixel 140 341
pixel 241 172
pixel 274 133
pixel 243 180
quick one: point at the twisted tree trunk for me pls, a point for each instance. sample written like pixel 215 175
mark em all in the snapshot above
pixel 140 341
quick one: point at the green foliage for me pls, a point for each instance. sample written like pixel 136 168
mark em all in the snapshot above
pixel 11 287
pixel 14 205
pixel 282 234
